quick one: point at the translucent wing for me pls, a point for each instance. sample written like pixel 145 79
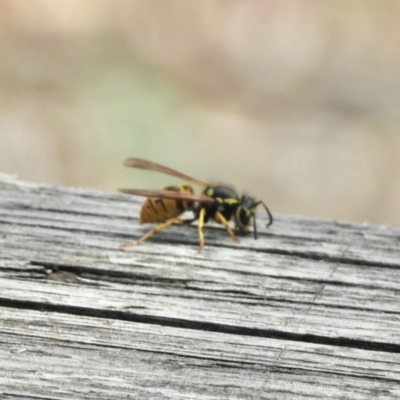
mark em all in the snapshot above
pixel 167 194
pixel 151 166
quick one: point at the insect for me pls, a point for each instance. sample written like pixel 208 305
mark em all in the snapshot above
pixel 219 203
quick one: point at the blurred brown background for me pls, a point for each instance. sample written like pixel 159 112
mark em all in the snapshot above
pixel 296 102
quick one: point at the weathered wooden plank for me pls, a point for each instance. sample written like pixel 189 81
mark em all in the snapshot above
pixel 267 305
pixel 273 298
pixel 70 355
pixel 313 292
pixel 310 310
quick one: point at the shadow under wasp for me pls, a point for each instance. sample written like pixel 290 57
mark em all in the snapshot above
pixel 219 203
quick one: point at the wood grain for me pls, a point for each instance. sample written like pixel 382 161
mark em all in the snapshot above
pixel 310 310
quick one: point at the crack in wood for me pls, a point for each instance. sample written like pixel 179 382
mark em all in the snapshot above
pixel 201 325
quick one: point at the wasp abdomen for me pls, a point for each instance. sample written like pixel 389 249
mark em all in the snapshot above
pixel 160 210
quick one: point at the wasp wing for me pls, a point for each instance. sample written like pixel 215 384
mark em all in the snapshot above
pixel 151 166
pixel 168 194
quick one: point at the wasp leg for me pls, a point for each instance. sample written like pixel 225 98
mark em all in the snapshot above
pixel 151 232
pixel 200 225
pixel 222 220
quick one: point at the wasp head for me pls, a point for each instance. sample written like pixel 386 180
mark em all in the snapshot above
pixel 244 215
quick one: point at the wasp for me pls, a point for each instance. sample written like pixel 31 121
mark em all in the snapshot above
pixel 167 205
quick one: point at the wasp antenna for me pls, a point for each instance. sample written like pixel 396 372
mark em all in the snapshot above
pixel 271 220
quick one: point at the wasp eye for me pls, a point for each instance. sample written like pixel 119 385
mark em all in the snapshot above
pixel 243 218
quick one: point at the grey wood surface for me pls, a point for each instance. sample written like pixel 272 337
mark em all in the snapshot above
pixel 310 310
